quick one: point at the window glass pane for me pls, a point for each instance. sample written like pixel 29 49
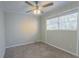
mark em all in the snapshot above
pixel 52 24
pixel 62 22
pixel 68 22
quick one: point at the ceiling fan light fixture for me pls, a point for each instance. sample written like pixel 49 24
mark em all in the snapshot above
pixel 37 11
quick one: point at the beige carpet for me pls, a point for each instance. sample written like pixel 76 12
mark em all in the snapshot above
pixel 36 50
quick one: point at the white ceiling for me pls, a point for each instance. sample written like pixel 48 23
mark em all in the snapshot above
pixel 22 7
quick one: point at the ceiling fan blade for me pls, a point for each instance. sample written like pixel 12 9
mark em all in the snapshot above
pixel 47 5
pixel 28 11
pixel 29 3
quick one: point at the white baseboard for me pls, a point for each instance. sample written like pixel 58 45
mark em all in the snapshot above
pixel 23 43
pixel 62 49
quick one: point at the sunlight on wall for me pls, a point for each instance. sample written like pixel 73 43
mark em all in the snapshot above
pixel 28 26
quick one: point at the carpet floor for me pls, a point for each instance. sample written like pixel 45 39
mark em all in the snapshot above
pixel 36 50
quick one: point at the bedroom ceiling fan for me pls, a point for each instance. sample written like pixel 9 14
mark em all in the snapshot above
pixel 36 9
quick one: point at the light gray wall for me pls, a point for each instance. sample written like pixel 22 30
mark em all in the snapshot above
pixel 43 28
pixel 39 28
pixel 66 40
pixel 78 33
pixel 2 34
pixel 20 29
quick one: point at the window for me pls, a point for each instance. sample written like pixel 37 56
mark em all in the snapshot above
pixel 52 24
pixel 66 22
